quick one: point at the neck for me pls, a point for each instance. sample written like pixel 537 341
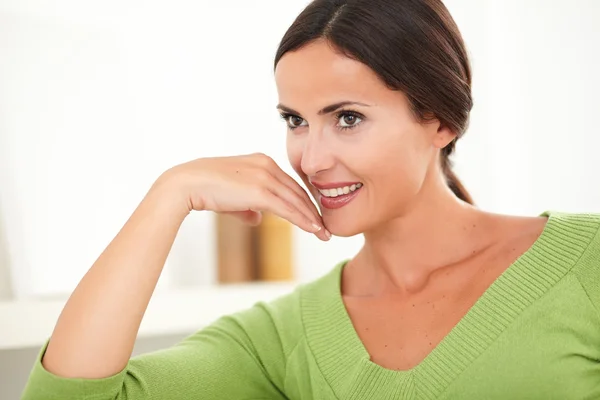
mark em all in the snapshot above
pixel 436 232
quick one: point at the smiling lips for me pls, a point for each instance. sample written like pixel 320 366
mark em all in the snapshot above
pixel 337 195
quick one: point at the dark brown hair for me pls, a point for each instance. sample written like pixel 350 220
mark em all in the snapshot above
pixel 413 45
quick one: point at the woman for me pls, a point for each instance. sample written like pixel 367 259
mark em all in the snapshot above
pixel 444 301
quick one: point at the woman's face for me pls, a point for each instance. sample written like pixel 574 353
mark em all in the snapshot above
pixel 353 141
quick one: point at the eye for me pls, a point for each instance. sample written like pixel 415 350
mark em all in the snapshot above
pixel 349 119
pixel 293 121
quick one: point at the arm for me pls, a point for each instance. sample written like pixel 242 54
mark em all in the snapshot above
pixel 236 357
pixel 87 355
pixel 96 331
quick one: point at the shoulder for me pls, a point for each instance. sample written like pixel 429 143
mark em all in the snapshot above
pixel 576 233
pixel 576 237
pixel 573 236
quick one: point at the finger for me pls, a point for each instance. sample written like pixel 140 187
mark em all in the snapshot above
pixel 294 199
pixel 267 200
pixel 268 179
pixel 299 204
pixel 268 164
pixel 291 197
pixel 299 190
pixel 291 184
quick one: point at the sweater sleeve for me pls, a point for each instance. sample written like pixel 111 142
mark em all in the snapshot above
pixel 587 269
pixel 221 361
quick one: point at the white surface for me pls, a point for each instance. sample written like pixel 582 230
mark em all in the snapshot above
pixel 29 323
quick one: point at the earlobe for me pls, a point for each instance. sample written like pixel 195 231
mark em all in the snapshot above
pixel 443 137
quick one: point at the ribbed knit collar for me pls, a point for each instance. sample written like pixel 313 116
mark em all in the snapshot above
pixel 345 362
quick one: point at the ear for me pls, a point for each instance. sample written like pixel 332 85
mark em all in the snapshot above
pixel 443 136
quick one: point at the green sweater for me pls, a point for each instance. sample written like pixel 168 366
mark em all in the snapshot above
pixel 534 334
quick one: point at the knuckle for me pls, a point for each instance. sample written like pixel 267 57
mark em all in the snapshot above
pixel 289 209
pixel 298 202
pixel 262 192
pixel 262 175
pixel 265 160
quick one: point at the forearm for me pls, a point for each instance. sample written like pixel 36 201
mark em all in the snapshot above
pixel 96 331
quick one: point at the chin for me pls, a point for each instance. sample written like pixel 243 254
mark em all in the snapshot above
pixel 342 226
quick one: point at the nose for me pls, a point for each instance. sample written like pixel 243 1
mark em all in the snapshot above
pixel 317 154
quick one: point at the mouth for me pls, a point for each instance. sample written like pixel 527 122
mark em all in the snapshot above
pixel 340 191
pixel 338 195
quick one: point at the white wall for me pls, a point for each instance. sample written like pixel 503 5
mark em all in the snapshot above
pixel 531 144
pixel 98 100
pixel 87 87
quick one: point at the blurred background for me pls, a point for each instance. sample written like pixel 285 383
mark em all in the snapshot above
pixel 98 98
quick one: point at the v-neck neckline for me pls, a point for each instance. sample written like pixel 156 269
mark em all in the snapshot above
pixel 345 362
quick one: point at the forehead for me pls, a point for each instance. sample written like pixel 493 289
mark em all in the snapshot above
pixel 317 73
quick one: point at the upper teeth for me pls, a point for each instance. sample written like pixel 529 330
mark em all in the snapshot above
pixel 340 191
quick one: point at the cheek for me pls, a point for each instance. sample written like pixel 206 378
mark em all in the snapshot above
pixel 400 163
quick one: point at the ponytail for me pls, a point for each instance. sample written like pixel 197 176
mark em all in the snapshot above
pixel 451 179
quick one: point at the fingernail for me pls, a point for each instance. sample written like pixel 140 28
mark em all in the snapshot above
pixel 328 234
pixel 316 227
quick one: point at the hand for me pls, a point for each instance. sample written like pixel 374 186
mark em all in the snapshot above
pixel 244 186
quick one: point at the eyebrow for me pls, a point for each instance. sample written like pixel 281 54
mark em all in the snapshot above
pixel 326 110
